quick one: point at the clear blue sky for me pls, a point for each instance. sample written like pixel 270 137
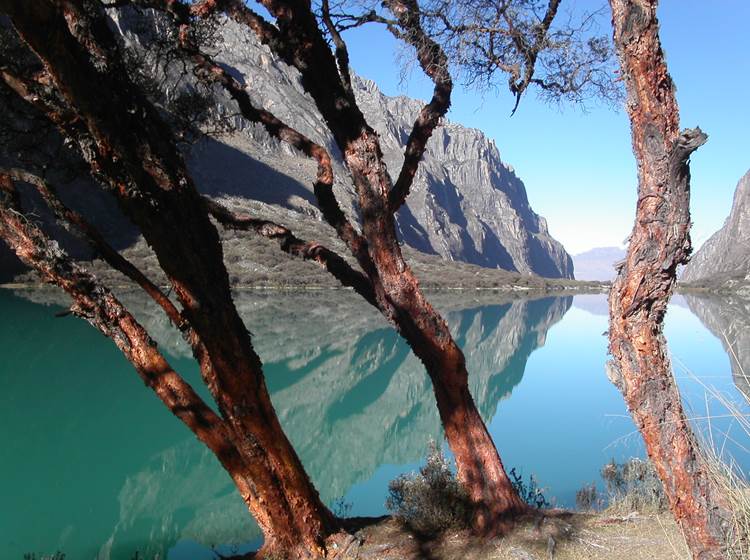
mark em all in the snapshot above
pixel 578 167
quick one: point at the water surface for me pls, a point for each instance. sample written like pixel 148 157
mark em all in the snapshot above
pixel 93 465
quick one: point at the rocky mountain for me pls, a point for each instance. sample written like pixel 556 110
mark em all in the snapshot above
pixel 598 263
pixel 466 203
pixel 725 258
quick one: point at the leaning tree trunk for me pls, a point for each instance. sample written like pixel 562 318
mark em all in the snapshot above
pixel 84 88
pixel 298 41
pixel 659 243
pixel 400 298
pixel 265 494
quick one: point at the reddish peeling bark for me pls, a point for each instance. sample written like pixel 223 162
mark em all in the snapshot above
pixel 80 226
pixel 88 94
pixel 299 42
pixel 659 242
pixel 95 303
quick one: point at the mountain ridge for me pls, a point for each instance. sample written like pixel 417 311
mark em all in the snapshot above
pixel 466 204
pixel 598 263
pixel 724 259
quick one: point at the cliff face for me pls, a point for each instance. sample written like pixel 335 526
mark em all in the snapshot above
pixel 726 254
pixel 469 204
pixel 465 205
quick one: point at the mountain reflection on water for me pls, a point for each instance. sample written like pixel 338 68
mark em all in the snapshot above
pixel 728 318
pixel 95 467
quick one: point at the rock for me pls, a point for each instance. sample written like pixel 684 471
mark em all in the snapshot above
pixel 728 319
pixel 725 257
pixel 466 204
pixel 521 554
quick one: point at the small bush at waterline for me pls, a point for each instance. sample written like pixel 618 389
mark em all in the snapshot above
pixel 432 500
pixel 631 486
pixel 530 492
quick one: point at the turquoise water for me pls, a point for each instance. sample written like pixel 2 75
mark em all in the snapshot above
pixel 93 465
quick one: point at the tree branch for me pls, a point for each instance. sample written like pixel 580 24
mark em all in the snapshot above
pixel 342 53
pixel 289 243
pixel 95 303
pixel 240 12
pixel 72 219
pixel 434 63
pixel 208 71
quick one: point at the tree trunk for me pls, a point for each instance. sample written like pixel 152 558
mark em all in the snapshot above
pixel 130 148
pixel 401 300
pixel 478 463
pixel 638 300
pixel 298 41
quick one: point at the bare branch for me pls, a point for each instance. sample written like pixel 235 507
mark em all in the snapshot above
pixel 240 12
pixel 524 40
pixel 209 72
pixel 434 63
pixel 297 247
pixel 342 53
pixel 531 52
pixel 103 310
pixel 72 219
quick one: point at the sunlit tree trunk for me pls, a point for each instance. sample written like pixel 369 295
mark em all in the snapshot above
pixel 659 243
pixel 401 300
pixel 298 41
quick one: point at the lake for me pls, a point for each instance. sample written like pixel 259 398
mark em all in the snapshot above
pixel 94 466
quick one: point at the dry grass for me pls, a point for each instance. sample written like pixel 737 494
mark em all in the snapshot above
pixel 736 491
pixel 727 476
pixel 552 534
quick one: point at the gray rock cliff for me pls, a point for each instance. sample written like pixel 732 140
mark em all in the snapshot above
pixel 725 257
pixel 465 205
pixel 728 319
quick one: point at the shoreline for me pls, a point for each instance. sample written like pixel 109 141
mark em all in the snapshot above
pixel 575 286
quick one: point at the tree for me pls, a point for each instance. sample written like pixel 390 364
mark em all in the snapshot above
pixel 659 243
pixel 78 81
pixel 299 38
pixel 525 42
pixel 389 285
